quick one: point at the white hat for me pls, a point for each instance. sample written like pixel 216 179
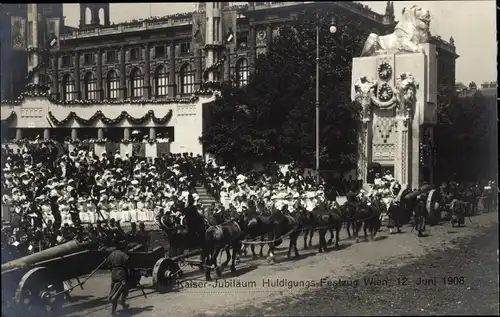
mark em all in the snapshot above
pixel 135 182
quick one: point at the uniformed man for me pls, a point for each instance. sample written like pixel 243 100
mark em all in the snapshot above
pixel 118 261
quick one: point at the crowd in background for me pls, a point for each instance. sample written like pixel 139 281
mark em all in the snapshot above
pixel 57 196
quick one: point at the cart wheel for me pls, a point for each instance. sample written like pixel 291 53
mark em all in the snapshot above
pixel 165 273
pixel 35 292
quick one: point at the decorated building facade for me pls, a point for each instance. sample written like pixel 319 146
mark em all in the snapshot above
pixel 106 81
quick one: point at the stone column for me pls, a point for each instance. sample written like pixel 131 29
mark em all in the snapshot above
pixel 147 73
pixel 98 74
pixel 78 87
pixel 364 150
pixel 126 133
pixel 152 133
pixel 171 75
pixel 123 76
pixel 227 63
pixel 74 134
pixel 252 45
pixel 198 77
pixel 100 134
pixel 46 134
pixel 54 90
pixel 19 134
pixel 269 37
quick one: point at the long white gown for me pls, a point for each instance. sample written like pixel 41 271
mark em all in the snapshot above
pixel 133 212
pixel 141 214
pixel 125 212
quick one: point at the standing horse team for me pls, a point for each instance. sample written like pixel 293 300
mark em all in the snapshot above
pixel 229 230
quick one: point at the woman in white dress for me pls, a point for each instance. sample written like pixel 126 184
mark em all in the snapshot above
pixel 65 215
pixel 141 207
pixel 47 214
pixel 82 211
pixel 133 209
pixel 150 207
pixel 91 211
pixel 113 210
pixel 104 207
pixel 123 207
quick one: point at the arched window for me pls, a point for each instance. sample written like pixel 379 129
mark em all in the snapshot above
pixel 187 79
pixel 90 84
pixel 243 72
pixel 68 87
pixel 113 85
pixel 161 81
pixel 136 83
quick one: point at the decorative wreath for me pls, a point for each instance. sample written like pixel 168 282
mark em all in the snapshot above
pixel 385 93
pixel 111 121
pixel 384 71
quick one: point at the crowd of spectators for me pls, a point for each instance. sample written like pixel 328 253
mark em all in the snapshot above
pixel 59 194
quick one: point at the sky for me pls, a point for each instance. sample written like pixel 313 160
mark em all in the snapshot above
pixel 475 41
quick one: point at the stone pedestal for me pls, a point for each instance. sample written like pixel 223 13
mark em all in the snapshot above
pixel 398 94
pixel 125 148
pixel 151 150
pixel 99 149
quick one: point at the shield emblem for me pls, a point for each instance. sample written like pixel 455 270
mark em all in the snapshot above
pixel 139 149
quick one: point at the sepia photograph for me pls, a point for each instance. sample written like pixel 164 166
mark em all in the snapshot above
pixel 312 158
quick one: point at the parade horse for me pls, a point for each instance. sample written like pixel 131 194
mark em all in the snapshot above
pixel 348 210
pixel 328 218
pixel 259 224
pixel 284 225
pixel 367 215
pixel 224 236
pixel 308 221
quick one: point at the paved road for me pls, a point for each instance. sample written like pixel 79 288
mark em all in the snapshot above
pixel 470 252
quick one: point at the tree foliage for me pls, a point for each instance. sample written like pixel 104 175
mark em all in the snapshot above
pixel 280 98
pixel 462 136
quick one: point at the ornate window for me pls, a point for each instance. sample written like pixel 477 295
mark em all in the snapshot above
pixel 136 83
pixel 113 85
pixel 161 81
pixel 68 88
pixel 187 79
pixel 90 84
pixel 243 72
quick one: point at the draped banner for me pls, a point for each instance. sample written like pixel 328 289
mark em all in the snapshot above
pixel 162 148
pixel 113 147
pixel 139 149
pixel 18 33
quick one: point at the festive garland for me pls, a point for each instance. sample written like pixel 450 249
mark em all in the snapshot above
pixel 20 99
pixel 32 49
pixel 212 46
pixel 385 93
pixel 100 116
pixel 211 85
pixel 215 65
pixel 384 71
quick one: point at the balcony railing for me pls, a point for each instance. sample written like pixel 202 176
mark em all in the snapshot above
pixel 126 27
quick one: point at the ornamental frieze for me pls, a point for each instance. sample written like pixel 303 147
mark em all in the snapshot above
pixel 380 94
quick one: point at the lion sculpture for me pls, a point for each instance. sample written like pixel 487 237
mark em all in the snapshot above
pixel 412 30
